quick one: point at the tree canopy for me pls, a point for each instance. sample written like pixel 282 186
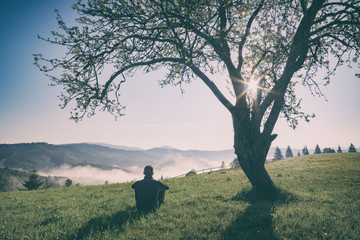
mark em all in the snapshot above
pixel 261 41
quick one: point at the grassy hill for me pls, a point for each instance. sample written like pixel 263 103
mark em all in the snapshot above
pixel 319 199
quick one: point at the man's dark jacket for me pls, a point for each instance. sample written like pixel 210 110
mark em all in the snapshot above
pixel 149 194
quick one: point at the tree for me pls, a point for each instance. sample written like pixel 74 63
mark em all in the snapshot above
pixel 222 164
pixel 288 152
pixel 68 182
pixel 328 150
pixel 298 154
pixel 235 163
pixel 352 148
pixel 3 180
pixel 33 182
pixel 191 173
pixel 305 151
pixel 46 184
pixel 339 149
pixel 317 149
pixel 261 48
pixel 278 154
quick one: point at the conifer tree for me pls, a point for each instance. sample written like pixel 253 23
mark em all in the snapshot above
pixel 278 154
pixel 222 164
pixel 298 154
pixel 305 151
pixel 317 149
pixel 288 152
pixel 352 148
pixel 68 182
pixel 33 182
pixel 235 163
pixel 3 181
pixel 339 149
pixel 328 150
pixel 46 183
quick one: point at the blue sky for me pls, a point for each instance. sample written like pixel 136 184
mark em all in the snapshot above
pixel 155 116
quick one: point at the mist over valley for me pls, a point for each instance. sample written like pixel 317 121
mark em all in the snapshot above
pixel 90 164
pixel 97 163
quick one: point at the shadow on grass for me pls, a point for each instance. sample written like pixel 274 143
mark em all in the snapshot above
pixel 256 222
pixel 116 221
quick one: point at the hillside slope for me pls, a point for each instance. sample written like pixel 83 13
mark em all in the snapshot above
pixel 319 199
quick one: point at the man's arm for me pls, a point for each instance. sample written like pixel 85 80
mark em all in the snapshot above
pixel 134 186
pixel 163 186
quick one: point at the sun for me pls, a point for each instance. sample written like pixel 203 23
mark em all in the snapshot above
pixel 252 86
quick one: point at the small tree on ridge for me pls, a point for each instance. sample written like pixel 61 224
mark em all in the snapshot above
pixel 317 149
pixel 288 152
pixel 305 151
pixel 352 148
pixel 33 182
pixel 328 150
pixel 68 182
pixel 339 149
pixel 235 163
pixel 278 154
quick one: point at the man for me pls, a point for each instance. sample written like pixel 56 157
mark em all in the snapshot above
pixel 149 193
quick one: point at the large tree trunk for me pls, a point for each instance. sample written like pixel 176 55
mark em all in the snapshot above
pixel 251 148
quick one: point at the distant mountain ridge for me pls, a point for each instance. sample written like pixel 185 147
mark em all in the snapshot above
pixel 114 146
pixel 43 156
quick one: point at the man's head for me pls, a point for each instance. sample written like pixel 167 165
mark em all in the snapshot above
pixel 148 171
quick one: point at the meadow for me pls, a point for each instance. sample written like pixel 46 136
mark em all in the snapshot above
pixel 319 199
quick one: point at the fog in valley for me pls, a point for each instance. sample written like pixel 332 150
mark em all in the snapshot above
pixel 171 165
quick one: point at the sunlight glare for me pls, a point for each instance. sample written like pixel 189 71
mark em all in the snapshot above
pixel 252 85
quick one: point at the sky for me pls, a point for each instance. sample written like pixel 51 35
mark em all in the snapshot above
pixel 155 116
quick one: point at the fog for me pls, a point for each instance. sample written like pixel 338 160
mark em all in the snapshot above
pixel 181 165
pixel 88 175
pixel 14 183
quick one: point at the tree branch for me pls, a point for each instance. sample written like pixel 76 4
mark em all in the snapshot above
pixel 246 34
pixel 297 56
pixel 303 4
pixel 134 65
pixel 227 104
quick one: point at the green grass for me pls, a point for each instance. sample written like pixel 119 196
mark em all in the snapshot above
pixel 319 199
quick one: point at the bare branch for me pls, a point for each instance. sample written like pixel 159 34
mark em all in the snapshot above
pixel 212 87
pixel 246 34
pixel 303 4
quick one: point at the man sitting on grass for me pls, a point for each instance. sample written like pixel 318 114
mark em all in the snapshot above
pixel 149 193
